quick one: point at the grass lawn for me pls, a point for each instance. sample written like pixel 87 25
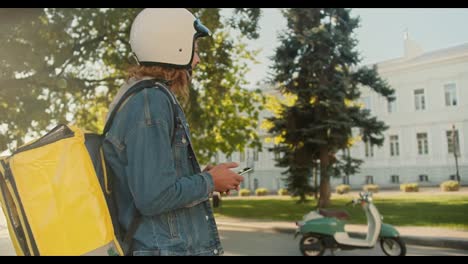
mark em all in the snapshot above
pixel 412 209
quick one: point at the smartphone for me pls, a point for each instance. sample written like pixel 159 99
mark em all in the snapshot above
pixel 244 171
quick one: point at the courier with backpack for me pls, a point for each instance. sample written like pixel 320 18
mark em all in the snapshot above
pixel 56 193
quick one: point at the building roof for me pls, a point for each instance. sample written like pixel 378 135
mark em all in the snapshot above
pixel 441 54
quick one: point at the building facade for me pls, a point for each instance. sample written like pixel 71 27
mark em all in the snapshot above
pixel 265 173
pixel 431 91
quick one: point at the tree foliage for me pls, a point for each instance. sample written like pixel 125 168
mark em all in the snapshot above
pixel 65 65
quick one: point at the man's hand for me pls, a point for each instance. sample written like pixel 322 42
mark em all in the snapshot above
pixel 228 192
pixel 208 167
pixel 224 179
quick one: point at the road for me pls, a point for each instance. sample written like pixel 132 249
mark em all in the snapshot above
pixel 245 242
pixel 253 243
pixel 6 248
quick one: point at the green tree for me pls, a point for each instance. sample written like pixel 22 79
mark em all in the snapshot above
pixel 217 97
pixel 316 65
pixel 65 65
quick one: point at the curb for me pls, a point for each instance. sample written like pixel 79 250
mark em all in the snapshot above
pixel 452 243
pixel 437 242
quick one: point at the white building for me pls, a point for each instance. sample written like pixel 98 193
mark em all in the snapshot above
pixel 431 92
pixel 265 174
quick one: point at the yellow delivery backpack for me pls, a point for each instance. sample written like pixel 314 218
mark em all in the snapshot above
pixel 56 194
pixel 52 199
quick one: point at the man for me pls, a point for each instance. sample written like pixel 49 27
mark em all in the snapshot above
pixel 149 146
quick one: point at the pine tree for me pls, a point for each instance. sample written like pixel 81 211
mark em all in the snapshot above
pixel 317 65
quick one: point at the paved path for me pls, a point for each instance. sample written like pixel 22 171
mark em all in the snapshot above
pixel 422 236
pixel 246 242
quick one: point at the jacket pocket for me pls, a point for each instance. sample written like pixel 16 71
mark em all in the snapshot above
pixel 172 222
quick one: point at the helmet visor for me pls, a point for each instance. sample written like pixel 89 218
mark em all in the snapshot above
pixel 201 30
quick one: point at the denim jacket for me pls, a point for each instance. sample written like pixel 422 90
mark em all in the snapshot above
pixel 163 182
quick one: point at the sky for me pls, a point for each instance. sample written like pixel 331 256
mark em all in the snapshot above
pixel 380 35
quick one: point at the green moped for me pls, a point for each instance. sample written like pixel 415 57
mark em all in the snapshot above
pixel 325 229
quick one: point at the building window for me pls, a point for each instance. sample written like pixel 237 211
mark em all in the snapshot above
pixel 255 184
pixel 369 149
pixel 278 183
pixel 450 94
pixel 346 180
pixel 392 106
pixel 277 154
pixel 255 154
pixel 394 146
pixel 229 158
pixel 453 142
pixel 369 179
pixel 242 156
pixel 419 100
pixel 423 147
pixel 453 177
pixel 423 178
pixel 366 101
pixel 395 179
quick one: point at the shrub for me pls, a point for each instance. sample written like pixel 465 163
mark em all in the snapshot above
pixel 374 188
pixel 409 187
pixel 343 188
pixel 244 192
pixel 261 192
pixel 450 186
pixel 283 192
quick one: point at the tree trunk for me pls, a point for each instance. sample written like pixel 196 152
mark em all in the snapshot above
pixel 325 193
pixel 315 180
pixel 348 164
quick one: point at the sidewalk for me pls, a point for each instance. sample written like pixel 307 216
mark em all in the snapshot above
pixel 6 248
pixel 421 236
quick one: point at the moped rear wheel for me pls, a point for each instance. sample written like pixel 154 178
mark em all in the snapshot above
pixel 312 245
pixel 393 246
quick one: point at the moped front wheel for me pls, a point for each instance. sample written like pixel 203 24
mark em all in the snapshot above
pixel 312 245
pixel 393 246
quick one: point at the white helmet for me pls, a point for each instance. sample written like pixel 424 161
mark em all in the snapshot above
pixel 166 37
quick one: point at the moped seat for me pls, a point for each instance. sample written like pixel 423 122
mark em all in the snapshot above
pixel 339 214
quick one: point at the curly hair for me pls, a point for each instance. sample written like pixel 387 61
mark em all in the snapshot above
pixel 178 78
